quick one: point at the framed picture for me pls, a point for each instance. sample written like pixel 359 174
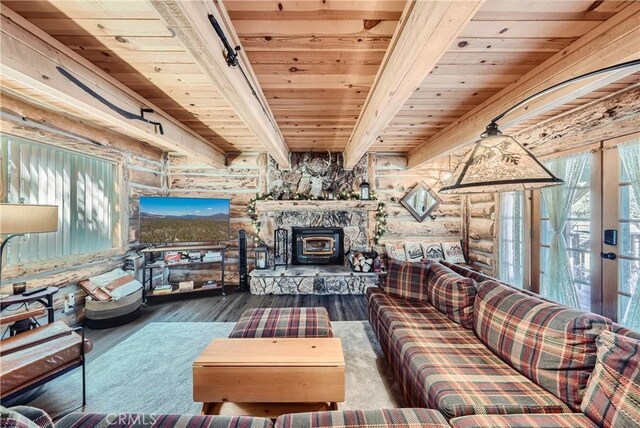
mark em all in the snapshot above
pixel 421 201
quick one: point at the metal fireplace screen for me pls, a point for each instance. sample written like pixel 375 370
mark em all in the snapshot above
pixel 317 245
pixel 280 248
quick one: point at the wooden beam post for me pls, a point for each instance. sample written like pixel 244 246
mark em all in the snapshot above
pixel 189 21
pixel 614 41
pixel 425 31
pixel 35 62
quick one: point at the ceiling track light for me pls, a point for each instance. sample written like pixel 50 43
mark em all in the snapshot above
pixel 498 163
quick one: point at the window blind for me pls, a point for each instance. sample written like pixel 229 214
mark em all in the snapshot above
pixel 83 187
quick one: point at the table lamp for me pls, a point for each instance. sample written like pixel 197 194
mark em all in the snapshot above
pixel 20 219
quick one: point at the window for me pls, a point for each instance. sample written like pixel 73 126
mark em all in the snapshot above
pixel 83 187
pixel 511 253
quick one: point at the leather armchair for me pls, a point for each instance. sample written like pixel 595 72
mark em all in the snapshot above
pixel 37 356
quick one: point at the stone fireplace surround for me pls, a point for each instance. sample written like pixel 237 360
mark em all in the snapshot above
pixel 357 218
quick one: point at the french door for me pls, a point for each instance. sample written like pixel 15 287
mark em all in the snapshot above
pixel 621 231
pixel 600 229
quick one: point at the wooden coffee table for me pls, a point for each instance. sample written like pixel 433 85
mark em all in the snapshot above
pixel 269 376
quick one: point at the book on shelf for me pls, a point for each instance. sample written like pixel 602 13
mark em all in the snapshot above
pixel 163 289
pixel 185 285
pixel 212 256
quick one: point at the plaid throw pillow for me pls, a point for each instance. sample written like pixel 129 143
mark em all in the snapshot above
pixel 613 393
pixel 551 344
pixel 452 294
pixel 407 279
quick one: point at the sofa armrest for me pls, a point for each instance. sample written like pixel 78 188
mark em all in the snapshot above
pixel 10 319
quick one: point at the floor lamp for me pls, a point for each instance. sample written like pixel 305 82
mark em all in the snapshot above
pixel 20 219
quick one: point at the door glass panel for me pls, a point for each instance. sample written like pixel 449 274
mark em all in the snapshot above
pixel 629 235
pixel 512 238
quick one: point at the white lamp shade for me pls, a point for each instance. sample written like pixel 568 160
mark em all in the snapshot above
pixel 22 218
pixel 498 163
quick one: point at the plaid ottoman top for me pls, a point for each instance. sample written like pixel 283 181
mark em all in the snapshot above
pixel 283 322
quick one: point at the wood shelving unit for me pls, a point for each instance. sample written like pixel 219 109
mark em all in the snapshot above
pixel 150 264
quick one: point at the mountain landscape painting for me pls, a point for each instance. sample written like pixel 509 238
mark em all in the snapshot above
pixel 166 220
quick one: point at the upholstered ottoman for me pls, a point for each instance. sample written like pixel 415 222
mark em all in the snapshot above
pixel 283 322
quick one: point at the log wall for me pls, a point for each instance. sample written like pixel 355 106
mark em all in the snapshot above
pixel 247 174
pixel 239 182
pixel 482 231
pixel 393 181
pixel 142 168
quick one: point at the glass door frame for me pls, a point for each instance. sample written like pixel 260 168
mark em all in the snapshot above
pixel 605 205
pixel 595 226
pixel 610 220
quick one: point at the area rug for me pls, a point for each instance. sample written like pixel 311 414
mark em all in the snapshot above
pixel 150 372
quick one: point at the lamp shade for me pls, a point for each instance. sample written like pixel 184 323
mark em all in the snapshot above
pixel 498 163
pixel 21 218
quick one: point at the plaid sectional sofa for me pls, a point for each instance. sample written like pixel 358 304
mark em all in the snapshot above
pixel 28 417
pixel 467 351
pixel 485 354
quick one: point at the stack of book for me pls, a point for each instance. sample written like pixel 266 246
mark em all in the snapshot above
pixel 163 289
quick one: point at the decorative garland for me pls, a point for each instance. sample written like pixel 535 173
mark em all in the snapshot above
pixel 381 211
pixel 251 209
pixel 381 222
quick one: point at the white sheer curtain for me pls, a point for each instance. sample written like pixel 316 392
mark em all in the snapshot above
pixel 557 283
pixel 630 156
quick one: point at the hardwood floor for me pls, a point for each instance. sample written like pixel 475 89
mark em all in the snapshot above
pixel 224 309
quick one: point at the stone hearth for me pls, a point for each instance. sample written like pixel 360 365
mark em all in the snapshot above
pixel 311 280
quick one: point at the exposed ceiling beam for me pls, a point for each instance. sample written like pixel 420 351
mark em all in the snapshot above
pixel 189 21
pixel 614 41
pixel 425 31
pixel 41 67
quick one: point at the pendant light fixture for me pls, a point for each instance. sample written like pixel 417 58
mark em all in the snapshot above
pixel 498 163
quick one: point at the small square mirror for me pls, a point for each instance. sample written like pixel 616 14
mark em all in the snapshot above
pixel 421 201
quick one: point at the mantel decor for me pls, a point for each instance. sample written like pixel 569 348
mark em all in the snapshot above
pixel 421 201
pixel 351 197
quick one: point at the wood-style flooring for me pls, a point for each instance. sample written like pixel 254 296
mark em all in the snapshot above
pixel 217 308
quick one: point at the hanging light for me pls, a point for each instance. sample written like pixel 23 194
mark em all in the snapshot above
pixel 498 163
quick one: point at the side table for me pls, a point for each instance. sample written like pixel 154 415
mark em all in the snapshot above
pixel 45 298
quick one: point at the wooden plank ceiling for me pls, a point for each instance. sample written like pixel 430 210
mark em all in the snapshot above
pixel 505 40
pixel 128 40
pixel 316 61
